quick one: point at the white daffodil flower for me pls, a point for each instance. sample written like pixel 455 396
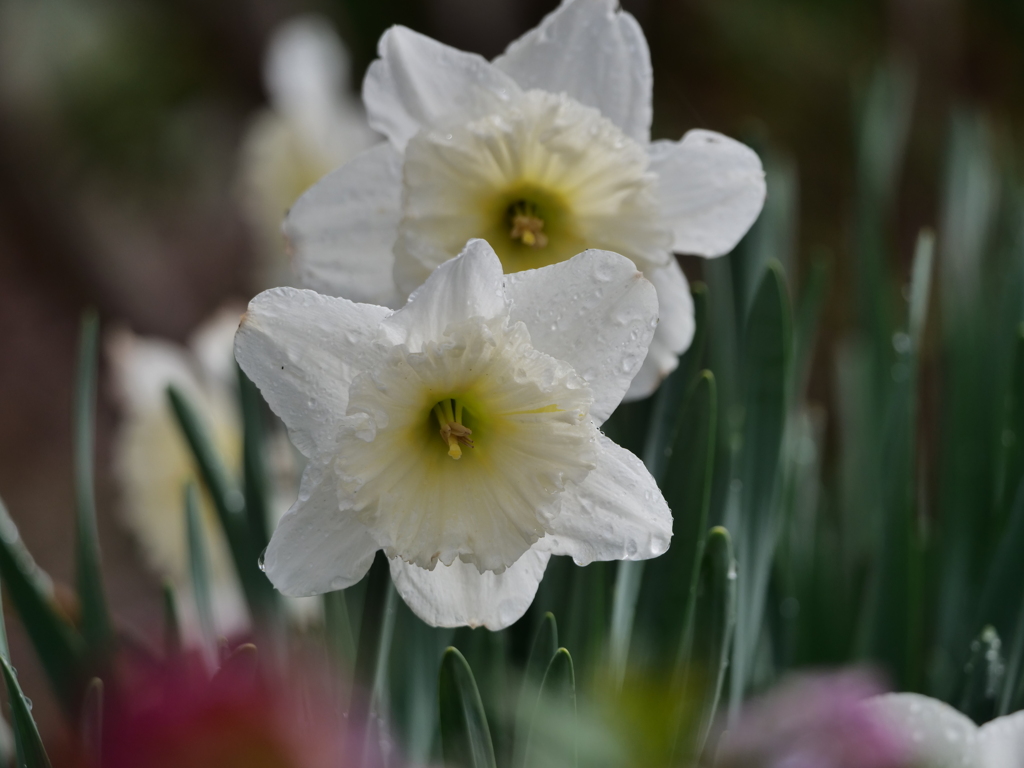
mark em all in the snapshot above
pixel 460 433
pixel 311 127
pixel 153 463
pixel 939 736
pixel 543 152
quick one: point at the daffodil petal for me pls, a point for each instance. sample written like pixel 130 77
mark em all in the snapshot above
pixel 418 82
pixel 342 230
pixel 936 734
pixel 674 333
pixel 317 546
pixel 305 69
pixel 596 54
pixel 1001 742
pixel 616 513
pixel 302 350
pixel 459 595
pixel 461 288
pixel 711 188
pixel 595 312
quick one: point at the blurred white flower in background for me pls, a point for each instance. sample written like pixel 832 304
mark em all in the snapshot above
pixel 460 433
pixel 153 463
pixel 544 152
pixel 312 125
pixel 940 736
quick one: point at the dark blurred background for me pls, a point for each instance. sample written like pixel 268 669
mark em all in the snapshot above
pixel 120 122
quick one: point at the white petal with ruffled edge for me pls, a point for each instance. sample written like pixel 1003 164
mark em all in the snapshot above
pixel 595 53
pixel 596 312
pixel 458 595
pixel 302 350
pixel 711 188
pixel 673 335
pixel 317 546
pixel 616 513
pixel 342 230
pixel 418 82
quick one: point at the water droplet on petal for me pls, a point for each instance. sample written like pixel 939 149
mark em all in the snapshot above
pixel 261 562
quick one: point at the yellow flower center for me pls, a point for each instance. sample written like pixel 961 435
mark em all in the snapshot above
pixel 529 226
pixel 449 413
pixel 526 224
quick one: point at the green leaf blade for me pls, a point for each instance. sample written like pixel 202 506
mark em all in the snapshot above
pixel 97 627
pixel 465 736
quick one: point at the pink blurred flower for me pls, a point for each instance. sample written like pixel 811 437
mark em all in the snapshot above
pixel 814 721
pixel 177 718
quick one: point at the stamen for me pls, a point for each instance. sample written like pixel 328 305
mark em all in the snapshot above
pixel 527 226
pixel 453 431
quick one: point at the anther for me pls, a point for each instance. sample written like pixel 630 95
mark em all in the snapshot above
pixel 453 431
pixel 527 226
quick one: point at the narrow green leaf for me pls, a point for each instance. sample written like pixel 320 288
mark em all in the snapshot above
pixel 806 321
pixel 370 680
pixel 341 647
pixel 920 287
pixel 702 672
pixel 557 698
pixel 465 736
pixel 253 462
pixel 199 568
pixel 92 721
pixel 1010 698
pixel 545 644
pixel 228 502
pixel 673 391
pixel 628 577
pixel 1010 460
pixel 372 625
pixel 97 627
pixel 667 595
pixel 766 351
pixel 59 646
pixel 172 625
pixel 31 753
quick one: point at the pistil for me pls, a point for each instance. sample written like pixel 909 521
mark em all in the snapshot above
pixel 453 431
pixel 527 225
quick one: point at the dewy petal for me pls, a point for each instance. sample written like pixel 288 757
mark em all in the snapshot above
pixel 1001 742
pixel 470 285
pixel 458 182
pixel 596 312
pixel 616 513
pixel 596 54
pixel 458 595
pixel 674 333
pixel 318 547
pixel 531 439
pixel 711 188
pixel 418 82
pixel 936 734
pixel 342 230
pixel 302 350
